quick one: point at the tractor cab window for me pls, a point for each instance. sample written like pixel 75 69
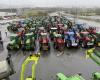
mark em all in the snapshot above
pixel 44 44
pixel 44 36
pixel 98 35
pixel 85 35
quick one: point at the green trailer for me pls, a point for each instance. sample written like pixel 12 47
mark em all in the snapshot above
pixel 94 55
pixel 61 76
pixel 96 76
pixel 31 58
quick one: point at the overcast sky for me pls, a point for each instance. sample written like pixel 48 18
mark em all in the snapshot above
pixel 50 3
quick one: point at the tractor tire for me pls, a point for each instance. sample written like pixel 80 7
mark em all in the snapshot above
pixel 7 78
pixel 55 45
pixel 68 44
pixel 83 45
pixel 8 48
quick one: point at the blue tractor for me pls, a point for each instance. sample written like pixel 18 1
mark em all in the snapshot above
pixel 80 27
pixel 71 39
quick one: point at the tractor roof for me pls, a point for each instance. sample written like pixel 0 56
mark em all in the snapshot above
pixel 54 28
pixel 60 24
pixel 70 33
pixel 57 35
pixel 11 42
pixel 32 28
pixel 43 33
pixel 85 32
pixel 29 34
pixel 14 35
pixel 42 28
pixel 62 76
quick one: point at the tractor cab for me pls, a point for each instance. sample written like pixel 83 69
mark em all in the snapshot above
pixel 80 26
pixel 41 29
pixel 13 36
pixel 86 39
pixel 98 38
pixel 59 42
pixel 59 26
pixel 44 42
pixel 53 31
pixel 32 30
pixel 15 42
pixel 29 41
pixel 91 30
pixel 71 39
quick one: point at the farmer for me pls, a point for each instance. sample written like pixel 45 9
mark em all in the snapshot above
pixel 1 42
pixel 9 60
pixel 6 32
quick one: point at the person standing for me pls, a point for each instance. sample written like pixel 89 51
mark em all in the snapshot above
pixel 6 32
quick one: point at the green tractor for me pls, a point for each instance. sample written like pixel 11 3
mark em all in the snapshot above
pixel 52 32
pixel 98 39
pixel 12 28
pixel 29 41
pixel 61 76
pixel 15 42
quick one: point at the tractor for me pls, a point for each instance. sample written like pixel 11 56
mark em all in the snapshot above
pixel 12 27
pixel 80 27
pixel 97 42
pixel 41 30
pixel 6 68
pixel 44 42
pixel 59 42
pixel 32 58
pixel 59 26
pixel 53 31
pixel 91 30
pixel 29 41
pixel 61 76
pixel 15 42
pixel 86 39
pixel 71 39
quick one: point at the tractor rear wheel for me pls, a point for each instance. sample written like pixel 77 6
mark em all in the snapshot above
pixel 8 47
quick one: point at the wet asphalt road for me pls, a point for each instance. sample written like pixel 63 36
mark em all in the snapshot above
pixel 71 62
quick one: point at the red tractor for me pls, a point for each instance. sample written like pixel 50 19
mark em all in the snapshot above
pixel 86 39
pixel 44 42
pixel 59 42
pixel 41 30
pixel 91 30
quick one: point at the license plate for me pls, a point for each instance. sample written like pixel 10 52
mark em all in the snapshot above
pixel 98 44
pixel 74 44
